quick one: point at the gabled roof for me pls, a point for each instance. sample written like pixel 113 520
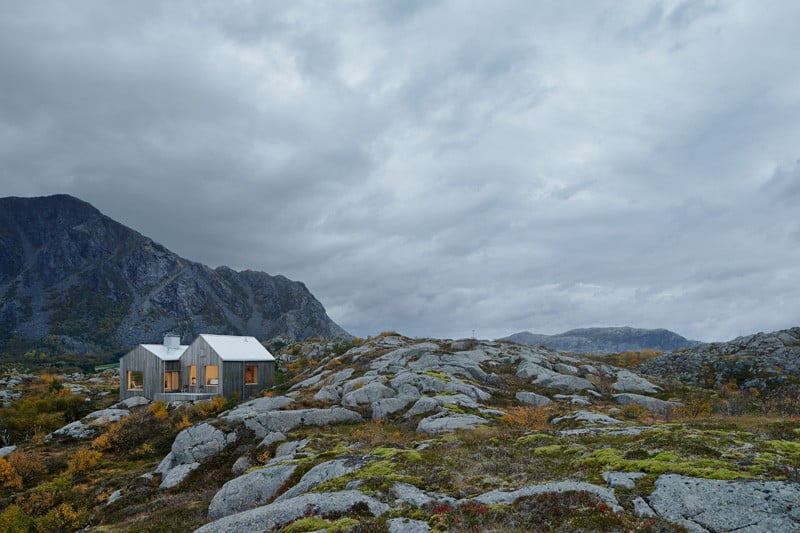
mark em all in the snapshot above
pixel 234 348
pixel 164 353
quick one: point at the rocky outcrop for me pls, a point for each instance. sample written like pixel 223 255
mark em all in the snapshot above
pixel 446 421
pixel 654 405
pixel 702 505
pixel 190 447
pixel 250 490
pixel 63 265
pixel 275 514
pixel 324 472
pixel 753 361
pixel 502 497
pixel 627 381
pixel 531 398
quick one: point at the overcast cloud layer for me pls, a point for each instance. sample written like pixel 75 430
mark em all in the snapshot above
pixel 434 167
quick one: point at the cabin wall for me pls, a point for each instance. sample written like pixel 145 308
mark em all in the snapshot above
pixel 200 354
pixel 149 365
pixel 234 378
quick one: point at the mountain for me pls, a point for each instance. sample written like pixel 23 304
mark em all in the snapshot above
pixel 68 270
pixel 759 360
pixel 606 340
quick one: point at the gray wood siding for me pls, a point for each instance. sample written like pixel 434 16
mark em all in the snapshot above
pixel 234 378
pixel 151 367
pixel 200 354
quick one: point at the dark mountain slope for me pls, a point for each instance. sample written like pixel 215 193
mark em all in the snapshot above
pixel 66 269
pixel 606 340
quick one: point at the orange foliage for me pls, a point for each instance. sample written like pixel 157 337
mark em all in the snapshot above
pixel 526 417
pixel 8 476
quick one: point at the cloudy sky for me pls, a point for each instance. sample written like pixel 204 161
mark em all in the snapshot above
pixel 434 167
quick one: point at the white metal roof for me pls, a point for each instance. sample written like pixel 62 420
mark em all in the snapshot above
pixel 235 348
pixel 164 353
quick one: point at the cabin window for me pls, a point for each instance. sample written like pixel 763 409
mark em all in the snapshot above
pixel 135 380
pixel 193 375
pixel 212 375
pixel 250 375
pixel 172 381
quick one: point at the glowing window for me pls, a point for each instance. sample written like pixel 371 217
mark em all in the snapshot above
pixel 172 381
pixel 193 375
pixel 250 375
pixel 135 380
pixel 212 375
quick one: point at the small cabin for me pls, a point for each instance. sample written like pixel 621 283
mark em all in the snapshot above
pixel 151 369
pixel 213 365
pixel 227 365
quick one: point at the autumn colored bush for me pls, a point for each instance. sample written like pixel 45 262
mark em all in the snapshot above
pixel 528 417
pixel 29 465
pixel 694 408
pixel 129 433
pixel 82 461
pixel 9 478
pixel 158 410
pixel 183 423
pixel 210 407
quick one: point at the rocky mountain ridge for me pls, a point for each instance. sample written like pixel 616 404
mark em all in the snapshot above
pixel 606 340
pixel 69 271
pixel 751 361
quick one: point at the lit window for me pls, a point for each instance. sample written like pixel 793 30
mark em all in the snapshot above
pixel 250 375
pixel 193 375
pixel 135 380
pixel 212 375
pixel 172 381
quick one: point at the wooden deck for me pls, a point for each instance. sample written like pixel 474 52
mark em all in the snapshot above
pixel 184 396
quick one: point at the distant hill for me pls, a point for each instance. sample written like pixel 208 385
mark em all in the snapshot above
pixel 759 360
pixel 606 340
pixel 71 273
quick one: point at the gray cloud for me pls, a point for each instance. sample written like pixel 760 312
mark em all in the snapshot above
pixel 434 167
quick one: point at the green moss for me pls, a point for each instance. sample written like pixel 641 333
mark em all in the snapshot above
pixel 390 453
pixel 534 438
pixel 438 375
pixel 377 475
pixel 453 407
pixel 551 451
pixel 784 446
pixel 307 524
pixel 611 459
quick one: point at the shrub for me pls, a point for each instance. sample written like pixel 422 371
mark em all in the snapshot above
pixel 528 417
pixel 8 476
pixel 131 432
pixel 694 408
pixel 158 410
pixel 13 518
pixel 61 518
pixel 210 407
pixel 29 465
pixel 83 460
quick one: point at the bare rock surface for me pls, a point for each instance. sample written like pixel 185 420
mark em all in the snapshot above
pixel 324 472
pixel 275 514
pixel 250 490
pixel 702 505
pixel 654 405
pixel 627 381
pixel 407 525
pixel 503 497
pixel 444 422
